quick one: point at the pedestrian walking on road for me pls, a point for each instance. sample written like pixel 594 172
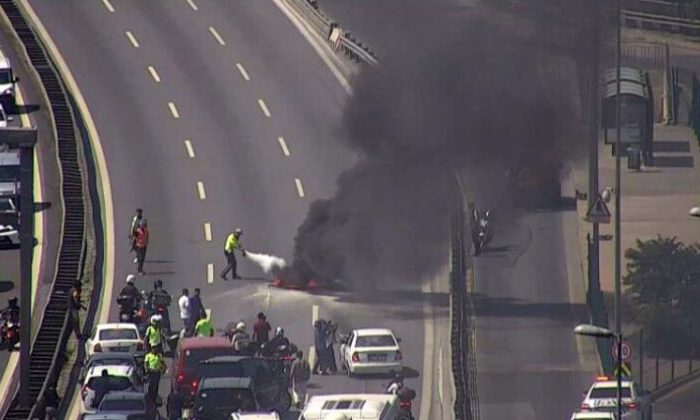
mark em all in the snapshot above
pixel 141 244
pixel 196 306
pixel 233 242
pixel 154 365
pixel 75 304
pixel 185 311
pixel 135 221
pixel 261 330
pixel 300 374
pixel 319 346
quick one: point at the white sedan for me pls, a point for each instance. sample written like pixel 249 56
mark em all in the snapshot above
pixel 117 337
pixel 602 397
pixel 371 350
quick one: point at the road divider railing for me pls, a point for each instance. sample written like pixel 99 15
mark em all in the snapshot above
pixel 340 40
pixel 48 353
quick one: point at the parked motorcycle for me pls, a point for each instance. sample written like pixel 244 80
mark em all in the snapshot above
pixel 482 232
pixel 9 333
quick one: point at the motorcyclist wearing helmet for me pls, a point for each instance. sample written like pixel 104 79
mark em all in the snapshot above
pixel 159 297
pixel 11 312
pixel 278 341
pixel 395 385
pixel 241 338
pixel 154 332
pixel 129 295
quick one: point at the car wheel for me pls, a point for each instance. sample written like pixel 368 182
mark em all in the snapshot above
pixel 285 402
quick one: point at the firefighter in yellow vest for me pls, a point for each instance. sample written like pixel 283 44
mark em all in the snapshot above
pixel 233 242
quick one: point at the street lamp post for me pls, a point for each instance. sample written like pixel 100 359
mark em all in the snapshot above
pixel 618 193
pixel 595 331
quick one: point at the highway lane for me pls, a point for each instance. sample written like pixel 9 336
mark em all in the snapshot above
pixel 215 132
pixel 528 362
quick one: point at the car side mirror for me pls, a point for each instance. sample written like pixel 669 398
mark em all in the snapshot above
pixel 398 340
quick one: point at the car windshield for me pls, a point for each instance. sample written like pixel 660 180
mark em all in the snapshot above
pixel 5 76
pixel 375 341
pixel 231 399
pixel 608 392
pixel 114 383
pixel 117 334
pixel 122 405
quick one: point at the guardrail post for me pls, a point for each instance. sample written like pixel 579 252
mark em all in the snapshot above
pixel 656 345
pixel 641 358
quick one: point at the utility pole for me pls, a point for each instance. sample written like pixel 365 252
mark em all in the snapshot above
pixel 25 139
pixel 618 193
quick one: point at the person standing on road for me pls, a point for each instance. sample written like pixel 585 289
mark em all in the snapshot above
pixel 141 244
pixel 196 306
pixel 204 327
pixel 300 374
pixel 135 221
pixel 101 388
pixel 233 242
pixel 185 311
pixel 154 332
pixel 261 330
pixel 154 365
pixel 75 304
pixel 319 346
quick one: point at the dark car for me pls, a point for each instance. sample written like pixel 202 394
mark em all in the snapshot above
pixel 269 378
pixel 133 404
pixel 189 353
pixel 110 359
pixel 217 398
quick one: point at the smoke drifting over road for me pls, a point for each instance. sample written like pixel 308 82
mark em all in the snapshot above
pixel 467 94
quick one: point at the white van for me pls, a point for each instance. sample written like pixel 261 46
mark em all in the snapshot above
pixel 353 406
pixel 255 416
pixel 7 83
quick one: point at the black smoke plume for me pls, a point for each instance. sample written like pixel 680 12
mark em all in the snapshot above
pixel 467 95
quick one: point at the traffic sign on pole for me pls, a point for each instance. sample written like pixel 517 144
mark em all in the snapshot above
pixel 626 369
pixel 626 351
pixel 598 212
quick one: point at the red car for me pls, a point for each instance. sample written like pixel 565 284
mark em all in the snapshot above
pixel 190 351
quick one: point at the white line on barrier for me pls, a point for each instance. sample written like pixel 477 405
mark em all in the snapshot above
pixel 216 35
pixel 300 188
pixel 108 5
pixel 192 5
pixel 283 146
pixel 154 74
pixel 243 72
pixel 189 148
pixel 207 232
pixel 173 110
pixel 200 190
pixel 263 107
pixel 132 39
pixel 210 273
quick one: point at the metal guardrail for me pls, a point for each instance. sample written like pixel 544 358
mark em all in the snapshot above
pixel 332 32
pixel 47 353
pixel 662 16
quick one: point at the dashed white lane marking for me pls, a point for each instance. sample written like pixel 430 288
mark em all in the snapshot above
pixel 216 36
pixel 208 311
pixel 243 72
pixel 283 146
pixel 132 39
pixel 108 5
pixel 300 188
pixel 263 108
pixel 192 5
pixel 200 190
pixel 173 110
pixel 154 74
pixel 314 314
pixel 210 273
pixel 189 148
pixel 207 232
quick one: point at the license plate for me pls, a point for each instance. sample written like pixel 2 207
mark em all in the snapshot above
pixel 376 357
pixel 119 349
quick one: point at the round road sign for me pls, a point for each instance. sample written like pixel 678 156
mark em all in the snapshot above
pixel 626 351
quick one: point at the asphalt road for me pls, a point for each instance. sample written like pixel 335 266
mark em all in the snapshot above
pixel 217 132
pixel 528 362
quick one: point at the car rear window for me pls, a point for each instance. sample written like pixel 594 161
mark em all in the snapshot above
pixel 608 392
pixel 114 383
pixel 194 356
pixel 220 370
pixel 375 341
pixel 122 405
pixel 234 399
pixel 118 334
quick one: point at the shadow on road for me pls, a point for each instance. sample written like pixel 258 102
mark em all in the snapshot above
pixel 510 307
pixel 6 286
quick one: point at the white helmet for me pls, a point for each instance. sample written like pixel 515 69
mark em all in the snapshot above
pixel 238 231
pixel 240 326
pixel 130 279
pixel 155 319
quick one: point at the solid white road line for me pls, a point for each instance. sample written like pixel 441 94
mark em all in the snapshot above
pixel 207 232
pixel 216 35
pixel 243 72
pixel 173 110
pixel 192 5
pixel 132 39
pixel 108 5
pixel 200 190
pixel 300 188
pixel 210 273
pixel 283 146
pixel 264 108
pixel 154 74
pixel 189 148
